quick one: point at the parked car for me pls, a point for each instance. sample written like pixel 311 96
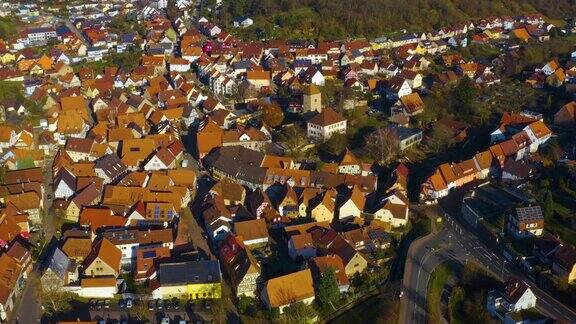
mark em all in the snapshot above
pixel 107 303
pixel 159 304
pixel 129 303
pixel 92 304
pixel 189 305
pixel 207 305
pixel 167 304
pixel 121 303
pixel 175 303
pixel 99 304
pixel 151 305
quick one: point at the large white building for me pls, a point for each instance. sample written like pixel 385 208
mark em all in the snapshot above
pixel 38 36
pixel 322 126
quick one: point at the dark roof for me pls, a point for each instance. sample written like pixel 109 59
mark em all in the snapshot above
pixel 127 38
pixel 111 165
pixel 66 177
pixel 62 30
pixel 178 273
pixel 565 257
pixel 405 132
pixel 244 64
pixel 83 145
pixel 546 244
pixel 40 30
pixel 238 162
pixel 529 214
pixel 24 175
pixel 86 196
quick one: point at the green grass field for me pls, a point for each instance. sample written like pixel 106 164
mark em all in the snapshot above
pixel 436 284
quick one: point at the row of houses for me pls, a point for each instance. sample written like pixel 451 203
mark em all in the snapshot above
pixel 518 136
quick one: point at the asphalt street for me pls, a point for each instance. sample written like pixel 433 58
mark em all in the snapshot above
pixel 28 310
pixel 454 242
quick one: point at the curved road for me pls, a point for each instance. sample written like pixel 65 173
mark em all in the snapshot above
pixel 457 243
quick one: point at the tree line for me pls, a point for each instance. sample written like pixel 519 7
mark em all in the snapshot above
pixel 338 19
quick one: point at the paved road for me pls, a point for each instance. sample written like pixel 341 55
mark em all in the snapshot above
pixel 420 262
pixel 454 242
pixel 75 31
pixel 28 309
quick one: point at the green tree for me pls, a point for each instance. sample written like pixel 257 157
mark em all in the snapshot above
pixel 549 103
pixel 548 206
pixel 456 304
pixel 8 27
pixel 246 305
pixel 328 292
pixel 128 59
pixel 464 95
pixel 11 91
pixel 335 144
pixel 299 312
pixel 552 151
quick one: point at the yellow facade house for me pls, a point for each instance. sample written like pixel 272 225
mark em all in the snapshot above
pixel 189 280
pixel 324 211
pixel 7 58
pixel 103 260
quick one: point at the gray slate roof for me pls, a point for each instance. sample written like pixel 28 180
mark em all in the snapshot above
pixel 178 273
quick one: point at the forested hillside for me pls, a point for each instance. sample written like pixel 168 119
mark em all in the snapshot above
pixel 342 18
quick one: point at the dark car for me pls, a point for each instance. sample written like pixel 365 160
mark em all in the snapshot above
pixel 99 304
pixel 121 303
pixel 151 305
pixel 107 303
pixel 159 304
pixel 189 305
pixel 92 304
pixel 167 304
pixel 175 303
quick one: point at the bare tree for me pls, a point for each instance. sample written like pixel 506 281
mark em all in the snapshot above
pixel 295 140
pixel 51 292
pixel 242 90
pixel 383 145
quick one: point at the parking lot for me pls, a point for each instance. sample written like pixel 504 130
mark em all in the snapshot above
pixel 156 311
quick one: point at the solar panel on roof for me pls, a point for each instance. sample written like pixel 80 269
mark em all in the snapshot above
pixel 149 254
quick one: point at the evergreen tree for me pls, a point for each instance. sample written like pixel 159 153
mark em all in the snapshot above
pixel 328 288
pixel 464 95
pixel 548 206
